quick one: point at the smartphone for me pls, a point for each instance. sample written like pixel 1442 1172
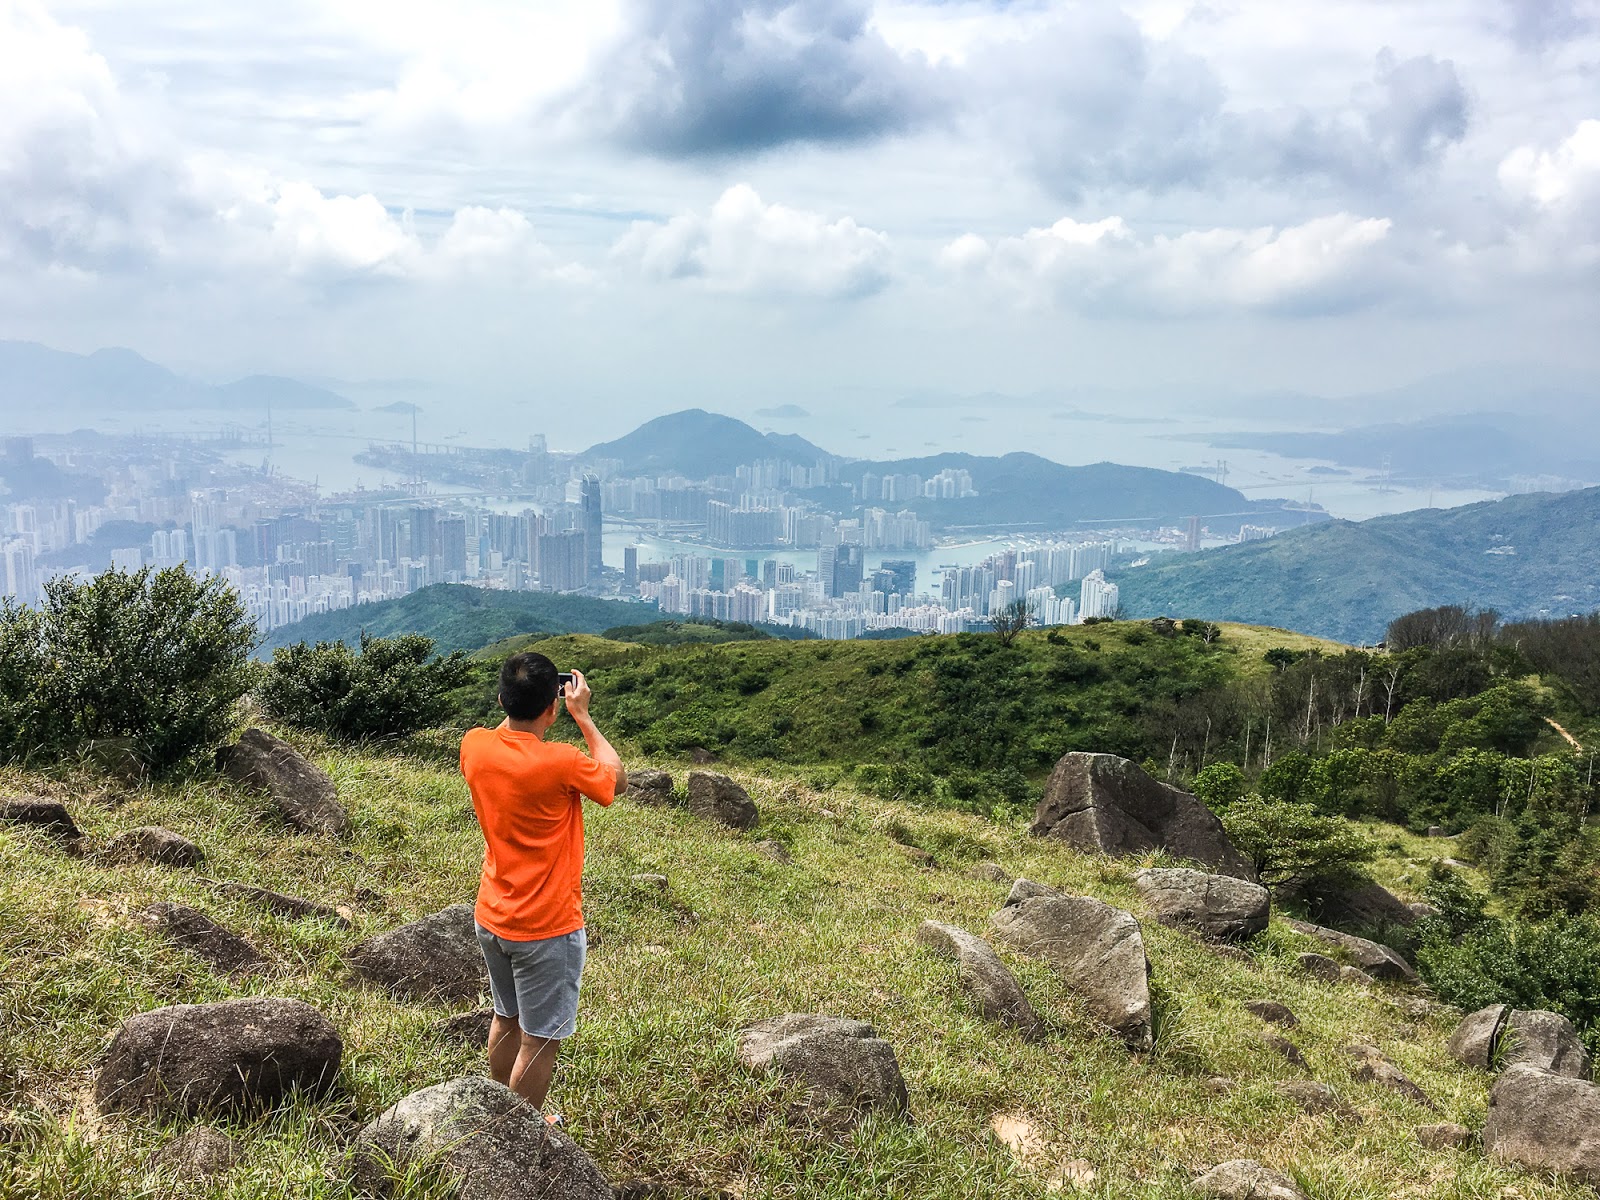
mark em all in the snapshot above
pixel 563 678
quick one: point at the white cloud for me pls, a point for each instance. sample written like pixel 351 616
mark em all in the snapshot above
pixel 745 245
pixel 1562 180
pixel 1328 264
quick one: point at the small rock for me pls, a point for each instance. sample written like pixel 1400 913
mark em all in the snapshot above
pixel 721 799
pixel 435 958
pixel 1456 864
pixel 1027 889
pixel 1221 1085
pixel 1319 966
pixel 656 883
pixel 1446 1136
pixel 1373 1066
pixel 153 844
pixel 197 1154
pixel 190 929
pixel 482 1138
pixel 303 792
pixel 285 906
pixel 470 1027
pixel 48 816
pixel 917 856
pixel 650 787
pixel 1283 1047
pixel 1315 1098
pixel 843 1064
pixel 1215 906
pixel 983 976
pixel 192 1058
pixel 1546 1040
pixel 1271 1010
pixel 1436 831
pixel 1545 1121
pixel 1474 1040
pixel 1379 962
pixel 990 872
pixel 701 756
pixel 775 851
pixel 1246 1179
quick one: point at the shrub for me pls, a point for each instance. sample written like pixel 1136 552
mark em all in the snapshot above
pixel 1220 785
pixel 389 688
pixel 161 658
pixel 1293 844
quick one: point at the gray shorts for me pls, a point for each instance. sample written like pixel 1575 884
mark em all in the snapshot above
pixel 536 982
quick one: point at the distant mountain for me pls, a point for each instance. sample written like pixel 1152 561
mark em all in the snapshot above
pixel 459 617
pixel 31 374
pixel 699 444
pixel 1526 556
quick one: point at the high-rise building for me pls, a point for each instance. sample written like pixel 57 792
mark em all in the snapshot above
pixel 563 561
pixel 630 566
pixel 593 525
pixel 1097 598
pixel 453 546
pixel 849 562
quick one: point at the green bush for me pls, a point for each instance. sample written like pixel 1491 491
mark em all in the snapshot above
pixel 1220 785
pixel 1292 844
pixel 160 658
pixel 389 688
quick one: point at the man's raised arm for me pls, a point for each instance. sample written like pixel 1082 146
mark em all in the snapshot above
pixel 577 695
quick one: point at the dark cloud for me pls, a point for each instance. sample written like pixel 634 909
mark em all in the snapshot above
pixel 718 77
pixel 1540 24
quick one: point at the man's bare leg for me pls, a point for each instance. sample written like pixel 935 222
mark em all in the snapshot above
pixel 536 1063
pixel 505 1039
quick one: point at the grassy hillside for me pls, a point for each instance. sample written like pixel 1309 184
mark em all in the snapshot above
pixel 459 617
pixel 650 1086
pixel 1527 556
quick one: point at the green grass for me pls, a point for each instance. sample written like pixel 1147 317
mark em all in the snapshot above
pixel 650 1085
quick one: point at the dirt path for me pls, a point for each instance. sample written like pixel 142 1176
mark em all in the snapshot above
pixel 1572 741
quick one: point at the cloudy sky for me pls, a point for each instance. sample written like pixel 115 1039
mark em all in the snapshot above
pixel 639 203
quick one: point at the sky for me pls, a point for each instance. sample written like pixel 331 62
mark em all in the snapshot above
pixel 618 207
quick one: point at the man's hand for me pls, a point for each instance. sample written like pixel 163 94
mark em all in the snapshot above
pixel 577 694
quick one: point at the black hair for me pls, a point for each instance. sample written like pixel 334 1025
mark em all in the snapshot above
pixel 527 686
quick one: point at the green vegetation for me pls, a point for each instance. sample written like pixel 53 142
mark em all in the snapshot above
pixel 391 687
pixel 1291 844
pixel 699 631
pixel 1522 556
pixel 458 617
pixel 160 659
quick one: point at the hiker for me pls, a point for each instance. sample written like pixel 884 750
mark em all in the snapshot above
pixel 528 794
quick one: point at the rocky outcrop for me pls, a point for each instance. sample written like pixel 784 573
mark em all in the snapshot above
pixel 1499 1035
pixel 1097 950
pixel 1546 1122
pixel 47 816
pixel 303 792
pixel 719 798
pixel 190 929
pixel 983 976
pixel 198 1154
pixel 1380 962
pixel 482 1139
pixel 232 1056
pixel 842 1064
pixel 1214 906
pixel 153 844
pixel 1246 1179
pixel 435 958
pixel 293 907
pixel 1103 803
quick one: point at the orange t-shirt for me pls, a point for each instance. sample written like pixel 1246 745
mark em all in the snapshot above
pixel 528 794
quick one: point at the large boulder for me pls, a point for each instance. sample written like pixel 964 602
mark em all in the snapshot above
pixel 1546 1122
pixel 1103 803
pixel 1246 1179
pixel 47 816
pixel 1475 1038
pixel 1096 949
pixel 303 792
pixel 435 958
pixel 479 1137
pixel 843 1065
pixel 1366 904
pixel 153 844
pixel 232 1056
pixel 1546 1040
pixel 983 976
pixel 1380 962
pixel 721 799
pixel 190 929
pixel 1215 906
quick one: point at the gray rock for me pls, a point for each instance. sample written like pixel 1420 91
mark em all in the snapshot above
pixel 1246 1179
pixel 153 844
pixel 990 872
pixel 190 929
pixel 1436 831
pixel 1097 950
pixel 486 1142
pixel 1378 961
pixel 1215 906
pixel 1546 1122
pixel 1284 1048
pixel 1475 1038
pixel 1315 1098
pixel 285 906
pixel 983 976
pixel 1028 889
pixel 775 851
pixel 842 1064
pixel 229 1057
pixel 654 882
pixel 650 787
pixel 1445 1136
pixel 1103 803
pixel 434 958
pixel 1546 1040
pixel 1422 910
pixel 1373 1066
pixel 197 1154
pixel 471 1028
pixel 1271 1010
pixel 1221 1085
pixel 1318 966
pixel 1367 904
pixel 1355 975
pixel 47 816
pixel 303 792
pixel 721 799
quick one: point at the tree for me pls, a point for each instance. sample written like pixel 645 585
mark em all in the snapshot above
pixel 1009 621
pixel 1291 844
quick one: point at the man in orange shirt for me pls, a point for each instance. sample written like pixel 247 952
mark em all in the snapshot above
pixel 528 794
